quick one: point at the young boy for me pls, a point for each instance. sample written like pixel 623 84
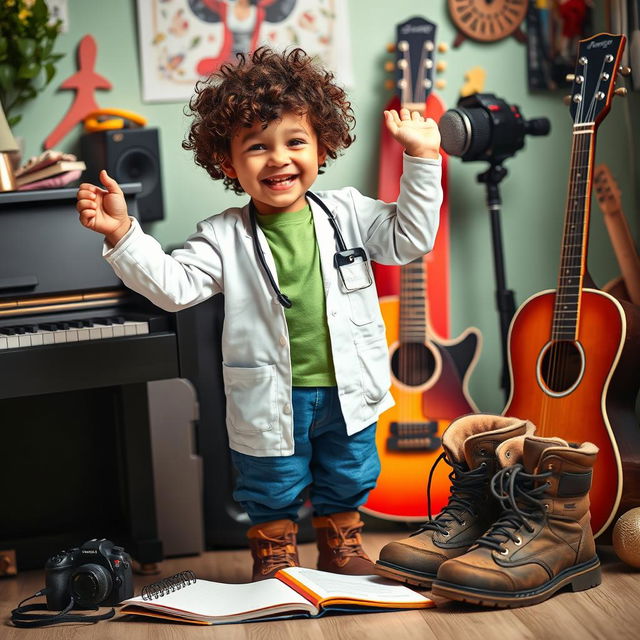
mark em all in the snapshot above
pixel 305 360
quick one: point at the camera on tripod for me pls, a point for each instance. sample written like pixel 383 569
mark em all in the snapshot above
pixel 484 127
pixel 97 574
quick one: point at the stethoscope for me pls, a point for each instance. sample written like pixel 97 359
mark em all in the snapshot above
pixel 343 259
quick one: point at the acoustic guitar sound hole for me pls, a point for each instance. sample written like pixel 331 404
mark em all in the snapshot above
pixel 413 364
pixel 561 366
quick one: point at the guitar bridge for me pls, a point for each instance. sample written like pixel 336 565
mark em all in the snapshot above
pixel 413 436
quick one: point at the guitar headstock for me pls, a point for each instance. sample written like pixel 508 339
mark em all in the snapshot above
pixel 597 67
pixel 607 191
pixel 415 46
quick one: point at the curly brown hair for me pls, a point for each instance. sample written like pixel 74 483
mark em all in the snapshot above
pixel 260 88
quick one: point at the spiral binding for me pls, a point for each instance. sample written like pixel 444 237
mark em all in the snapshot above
pixel 161 588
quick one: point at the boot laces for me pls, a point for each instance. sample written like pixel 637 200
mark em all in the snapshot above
pixel 520 500
pixel 348 540
pixel 467 488
pixel 276 552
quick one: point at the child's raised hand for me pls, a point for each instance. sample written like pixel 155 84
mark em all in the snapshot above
pixel 103 210
pixel 419 136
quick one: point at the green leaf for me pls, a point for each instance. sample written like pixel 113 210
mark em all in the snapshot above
pixel 40 11
pixel 14 121
pixel 47 46
pixel 29 70
pixel 50 70
pixel 29 93
pixel 7 74
pixel 26 46
pixel 3 45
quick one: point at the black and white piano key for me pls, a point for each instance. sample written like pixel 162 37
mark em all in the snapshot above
pixel 35 335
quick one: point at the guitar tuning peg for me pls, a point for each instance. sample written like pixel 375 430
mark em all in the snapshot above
pixel 441 66
pixel 443 47
pixel 566 99
pixel 389 84
pixel 621 92
pixel 389 66
pixel 624 70
pixel 570 77
pixel 441 84
pixel 391 47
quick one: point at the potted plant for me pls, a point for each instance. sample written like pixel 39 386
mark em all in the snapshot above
pixel 27 60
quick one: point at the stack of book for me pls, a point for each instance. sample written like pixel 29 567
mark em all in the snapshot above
pixel 49 170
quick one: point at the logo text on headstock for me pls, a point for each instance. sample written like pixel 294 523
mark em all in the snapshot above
pixel 416 28
pixel 603 44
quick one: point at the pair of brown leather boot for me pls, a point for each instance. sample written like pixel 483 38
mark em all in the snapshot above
pixel 273 545
pixel 516 528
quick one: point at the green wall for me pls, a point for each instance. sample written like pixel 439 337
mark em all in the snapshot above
pixel 533 193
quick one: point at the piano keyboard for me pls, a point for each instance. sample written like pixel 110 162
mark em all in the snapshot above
pixel 59 332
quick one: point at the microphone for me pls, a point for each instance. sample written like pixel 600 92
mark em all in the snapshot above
pixel 483 127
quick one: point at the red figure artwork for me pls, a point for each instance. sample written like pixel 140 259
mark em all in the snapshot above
pixel 85 82
pixel 242 20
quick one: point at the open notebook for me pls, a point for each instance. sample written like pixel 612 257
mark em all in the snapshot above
pixel 294 592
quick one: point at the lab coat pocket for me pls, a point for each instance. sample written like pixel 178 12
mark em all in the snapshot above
pixel 374 369
pixel 251 398
pixel 362 311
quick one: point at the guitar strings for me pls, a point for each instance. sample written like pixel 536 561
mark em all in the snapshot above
pixel 565 273
pixel 577 207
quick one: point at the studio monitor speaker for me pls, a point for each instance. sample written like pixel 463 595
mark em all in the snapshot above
pixel 128 155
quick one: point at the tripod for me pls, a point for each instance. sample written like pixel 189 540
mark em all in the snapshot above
pixel 505 302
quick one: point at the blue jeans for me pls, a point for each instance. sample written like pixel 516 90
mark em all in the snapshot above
pixel 339 469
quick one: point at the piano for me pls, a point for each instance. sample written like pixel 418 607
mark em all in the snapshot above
pixel 77 349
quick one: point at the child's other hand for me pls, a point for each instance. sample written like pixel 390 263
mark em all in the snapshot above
pixel 418 136
pixel 104 210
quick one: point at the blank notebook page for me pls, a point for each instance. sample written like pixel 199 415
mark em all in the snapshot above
pixel 212 599
pixel 366 588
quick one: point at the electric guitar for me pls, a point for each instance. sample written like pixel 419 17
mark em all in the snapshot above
pixel 627 286
pixel 574 352
pixel 429 374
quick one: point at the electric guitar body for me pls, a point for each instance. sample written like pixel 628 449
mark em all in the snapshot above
pixel 429 382
pixel 574 352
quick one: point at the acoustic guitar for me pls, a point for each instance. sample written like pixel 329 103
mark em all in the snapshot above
pixel 626 286
pixel 574 352
pixel 429 373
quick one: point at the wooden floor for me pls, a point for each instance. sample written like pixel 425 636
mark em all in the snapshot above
pixel 611 610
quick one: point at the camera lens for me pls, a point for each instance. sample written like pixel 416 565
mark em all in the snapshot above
pixel 90 584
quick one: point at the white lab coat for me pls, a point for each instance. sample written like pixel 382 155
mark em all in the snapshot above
pixel 220 257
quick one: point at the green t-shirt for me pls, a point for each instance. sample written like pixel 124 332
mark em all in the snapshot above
pixel 292 239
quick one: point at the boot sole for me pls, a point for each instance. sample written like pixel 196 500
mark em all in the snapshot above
pixel 579 578
pixel 401 574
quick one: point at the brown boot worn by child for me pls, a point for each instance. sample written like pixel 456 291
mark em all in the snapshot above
pixel 273 547
pixel 469 448
pixel 542 540
pixel 340 544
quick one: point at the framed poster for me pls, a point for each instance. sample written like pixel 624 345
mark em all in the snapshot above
pixel 183 41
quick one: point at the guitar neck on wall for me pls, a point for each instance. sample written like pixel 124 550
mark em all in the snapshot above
pixel 608 197
pixel 414 70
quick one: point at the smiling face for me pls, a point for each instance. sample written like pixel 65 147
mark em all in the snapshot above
pixel 276 165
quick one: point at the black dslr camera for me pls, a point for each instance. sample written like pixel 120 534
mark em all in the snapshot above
pixel 98 574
